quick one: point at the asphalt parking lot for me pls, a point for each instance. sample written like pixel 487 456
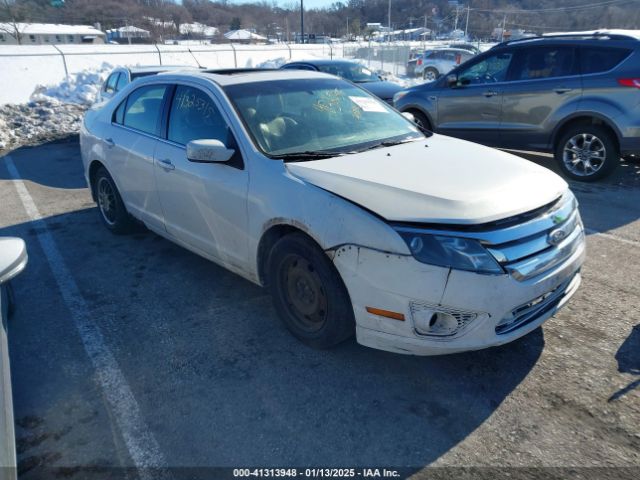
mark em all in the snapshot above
pixel 130 351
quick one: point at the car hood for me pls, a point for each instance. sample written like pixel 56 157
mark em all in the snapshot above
pixel 436 180
pixel 383 90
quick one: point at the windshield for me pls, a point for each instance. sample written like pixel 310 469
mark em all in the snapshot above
pixel 313 116
pixel 351 71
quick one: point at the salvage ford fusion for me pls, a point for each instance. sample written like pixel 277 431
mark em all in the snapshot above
pixel 355 219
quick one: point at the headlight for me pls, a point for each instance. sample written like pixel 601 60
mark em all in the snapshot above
pixel 452 252
pixel 397 96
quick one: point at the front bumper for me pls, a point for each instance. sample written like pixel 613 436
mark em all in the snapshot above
pixel 396 282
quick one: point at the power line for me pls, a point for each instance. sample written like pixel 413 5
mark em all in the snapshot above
pixel 555 9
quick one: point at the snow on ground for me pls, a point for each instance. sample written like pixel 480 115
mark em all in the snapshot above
pixel 53 111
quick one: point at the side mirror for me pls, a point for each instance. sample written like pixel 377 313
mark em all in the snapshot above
pixel 13 257
pixel 208 151
pixel 409 116
pixel 452 80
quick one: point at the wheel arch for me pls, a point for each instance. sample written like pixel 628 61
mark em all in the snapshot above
pixel 273 232
pixel 585 118
pixel 413 108
pixel 94 166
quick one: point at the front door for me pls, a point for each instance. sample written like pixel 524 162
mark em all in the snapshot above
pixel 204 204
pixel 471 109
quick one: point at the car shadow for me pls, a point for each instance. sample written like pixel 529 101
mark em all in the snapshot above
pixel 61 158
pixel 628 357
pixel 219 379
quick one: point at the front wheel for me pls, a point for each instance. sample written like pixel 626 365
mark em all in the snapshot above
pixel 308 293
pixel 587 153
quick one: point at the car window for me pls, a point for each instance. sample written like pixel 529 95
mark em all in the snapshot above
pixel 601 59
pixel 110 84
pixel 122 82
pixel 194 116
pixel 299 67
pixel 543 62
pixel 351 71
pixel 143 108
pixel 489 70
pixel 118 115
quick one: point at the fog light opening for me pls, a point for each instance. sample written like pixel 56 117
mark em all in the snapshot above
pixel 439 321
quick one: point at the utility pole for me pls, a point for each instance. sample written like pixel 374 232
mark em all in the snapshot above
pixel 466 25
pixel 389 18
pixel 504 23
pixel 347 29
pixel 457 12
pixel 302 20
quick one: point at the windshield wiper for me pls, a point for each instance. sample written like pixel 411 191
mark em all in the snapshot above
pixel 387 143
pixel 307 155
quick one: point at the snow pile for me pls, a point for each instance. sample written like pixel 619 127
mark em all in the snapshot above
pixel 81 88
pixel 275 63
pixel 38 121
pixel 54 110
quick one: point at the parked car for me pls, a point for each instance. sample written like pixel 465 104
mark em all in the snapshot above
pixel 414 55
pixel 13 259
pixel 352 71
pixel 573 95
pixel 122 76
pixel 434 63
pixel 355 219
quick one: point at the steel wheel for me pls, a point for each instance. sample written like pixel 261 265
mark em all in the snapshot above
pixel 584 154
pixel 304 293
pixel 430 74
pixel 107 201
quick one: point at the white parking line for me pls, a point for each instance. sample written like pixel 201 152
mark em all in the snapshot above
pixel 141 444
pixel 591 231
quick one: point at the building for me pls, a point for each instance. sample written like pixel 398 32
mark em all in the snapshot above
pixel 198 30
pixel 48 34
pixel 128 33
pixel 244 36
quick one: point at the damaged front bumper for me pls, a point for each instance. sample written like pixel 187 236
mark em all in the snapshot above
pixel 446 311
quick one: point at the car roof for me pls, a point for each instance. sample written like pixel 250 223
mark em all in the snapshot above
pixel 601 37
pixel 243 76
pixel 159 68
pixel 324 61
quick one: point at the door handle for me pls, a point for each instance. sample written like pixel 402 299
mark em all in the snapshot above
pixel 490 93
pixel 110 143
pixel 562 90
pixel 166 164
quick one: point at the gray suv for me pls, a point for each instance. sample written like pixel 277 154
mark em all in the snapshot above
pixel 574 95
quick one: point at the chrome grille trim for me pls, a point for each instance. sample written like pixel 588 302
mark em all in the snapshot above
pixel 530 311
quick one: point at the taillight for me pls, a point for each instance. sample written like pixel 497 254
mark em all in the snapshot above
pixel 629 82
pixel 419 62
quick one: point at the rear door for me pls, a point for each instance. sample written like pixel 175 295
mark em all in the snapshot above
pixel 130 146
pixel 543 86
pixel 472 108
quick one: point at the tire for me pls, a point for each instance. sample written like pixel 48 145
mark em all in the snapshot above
pixel 308 293
pixel 421 120
pixel 111 208
pixel 430 74
pixel 587 153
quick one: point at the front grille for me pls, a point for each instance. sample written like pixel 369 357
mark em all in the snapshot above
pixel 531 311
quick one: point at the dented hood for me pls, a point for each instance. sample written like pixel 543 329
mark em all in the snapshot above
pixel 436 180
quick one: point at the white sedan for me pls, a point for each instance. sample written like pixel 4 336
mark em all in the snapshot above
pixel 357 221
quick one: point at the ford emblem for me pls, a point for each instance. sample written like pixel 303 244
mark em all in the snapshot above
pixel 556 236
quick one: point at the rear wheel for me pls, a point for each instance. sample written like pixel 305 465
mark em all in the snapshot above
pixel 113 213
pixel 430 74
pixel 587 153
pixel 308 293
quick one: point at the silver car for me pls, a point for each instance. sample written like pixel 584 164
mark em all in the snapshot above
pixel 123 76
pixel 434 63
pixel 13 259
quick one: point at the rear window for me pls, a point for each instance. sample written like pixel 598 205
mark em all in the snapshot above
pixel 601 59
pixel 143 108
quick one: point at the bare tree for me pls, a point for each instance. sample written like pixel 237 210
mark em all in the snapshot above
pixel 12 15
